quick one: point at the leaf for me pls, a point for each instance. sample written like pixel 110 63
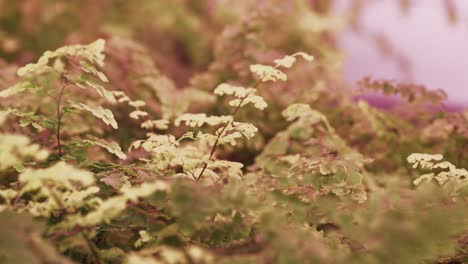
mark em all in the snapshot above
pixel 112 207
pixel 304 55
pixel 37 68
pixel 423 160
pixel 104 114
pixel 296 110
pixel 60 173
pixel 14 149
pixel 111 147
pixel 137 114
pixel 31 118
pixel 121 96
pixel 426 177
pixel 237 91
pixel 354 178
pixel 137 103
pixel 92 52
pixel 115 180
pixel 232 169
pixel 243 95
pixel 87 67
pixel 144 238
pixel 198 120
pixel 268 73
pixel 256 100
pixel 287 61
pixel 161 124
pixel 235 130
pixel 19 167
pixel 102 91
pixel 17 88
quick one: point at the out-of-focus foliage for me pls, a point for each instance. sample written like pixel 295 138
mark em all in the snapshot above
pixel 215 131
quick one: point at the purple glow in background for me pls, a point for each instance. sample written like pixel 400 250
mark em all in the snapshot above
pixel 437 50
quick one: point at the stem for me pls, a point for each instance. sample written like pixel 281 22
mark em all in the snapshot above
pixel 216 144
pixel 92 248
pixel 59 116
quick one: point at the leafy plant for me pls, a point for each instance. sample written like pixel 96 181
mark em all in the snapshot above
pixel 234 151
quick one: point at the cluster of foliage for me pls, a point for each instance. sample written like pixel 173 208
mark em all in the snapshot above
pixel 215 132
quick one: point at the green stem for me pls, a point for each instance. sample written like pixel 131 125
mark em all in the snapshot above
pixel 216 143
pixel 59 117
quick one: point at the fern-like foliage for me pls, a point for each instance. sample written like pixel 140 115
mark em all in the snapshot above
pixel 453 179
pixel 151 147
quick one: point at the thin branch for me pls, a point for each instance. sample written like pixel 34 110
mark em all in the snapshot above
pixel 60 115
pixel 92 248
pixel 51 96
pixel 216 143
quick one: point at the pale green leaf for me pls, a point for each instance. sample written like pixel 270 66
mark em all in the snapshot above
pixel 104 114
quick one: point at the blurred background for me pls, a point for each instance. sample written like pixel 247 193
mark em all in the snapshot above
pixel 425 42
